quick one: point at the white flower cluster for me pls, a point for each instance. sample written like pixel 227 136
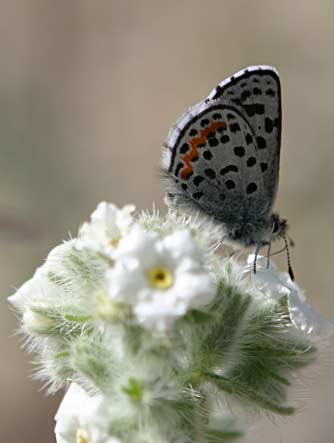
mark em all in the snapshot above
pixel 155 277
pixel 160 277
pixel 150 328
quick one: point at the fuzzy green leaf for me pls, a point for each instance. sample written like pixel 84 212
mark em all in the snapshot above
pixel 134 389
pixel 91 358
pixel 256 346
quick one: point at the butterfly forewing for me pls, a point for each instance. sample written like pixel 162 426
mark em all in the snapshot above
pixel 256 92
pixel 213 161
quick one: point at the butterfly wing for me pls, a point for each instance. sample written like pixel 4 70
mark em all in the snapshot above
pixel 256 92
pixel 211 160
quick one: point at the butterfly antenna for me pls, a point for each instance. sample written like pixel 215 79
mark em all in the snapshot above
pixel 279 251
pixel 292 276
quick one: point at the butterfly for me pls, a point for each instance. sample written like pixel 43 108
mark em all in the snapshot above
pixel 222 158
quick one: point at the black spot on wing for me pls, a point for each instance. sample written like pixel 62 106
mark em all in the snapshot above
pixel 230 184
pixel 204 122
pixel 236 101
pixel 225 139
pixel 245 94
pixel 207 155
pixel 261 143
pixel 198 179
pixel 249 138
pixel 229 168
pixel 264 167
pixel 184 186
pixel 239 151
pixel 184 148
pixel 251 161
pixel 251 188
pixel 254 108
pixel 268 125
pixel 210 173
pixel 234 127
pixel 193 132
pixel 221 129
pixel 270 92
pixel 213 141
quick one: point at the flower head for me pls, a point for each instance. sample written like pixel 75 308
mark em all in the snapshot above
pixel 107 226
pixel 275 284
pixel 102 311
pixel 161 277
pixel 82 418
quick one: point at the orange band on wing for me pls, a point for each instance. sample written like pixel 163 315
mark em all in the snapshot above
pixel 194 153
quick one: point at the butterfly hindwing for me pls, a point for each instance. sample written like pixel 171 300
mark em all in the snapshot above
pixel 212 160
pixel 256 92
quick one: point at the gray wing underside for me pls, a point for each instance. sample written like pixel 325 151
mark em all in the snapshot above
pixel 256 92
pixel 224 175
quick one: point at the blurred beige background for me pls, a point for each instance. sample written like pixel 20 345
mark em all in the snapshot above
pixel 88 91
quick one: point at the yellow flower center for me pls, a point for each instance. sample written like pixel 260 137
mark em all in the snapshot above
pixel 82 436
pixel 114 242
pixel 161 277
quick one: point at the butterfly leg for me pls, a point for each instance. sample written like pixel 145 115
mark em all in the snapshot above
pixel 268 255
pixel 258 247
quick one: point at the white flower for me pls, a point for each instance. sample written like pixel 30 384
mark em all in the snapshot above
pixel 276 284
pixel 161 277
pixel 82 418
pixel 107 226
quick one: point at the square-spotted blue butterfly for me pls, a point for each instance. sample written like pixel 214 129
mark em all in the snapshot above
pixel 222 158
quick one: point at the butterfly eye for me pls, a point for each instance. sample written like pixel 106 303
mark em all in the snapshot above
pixel 275 227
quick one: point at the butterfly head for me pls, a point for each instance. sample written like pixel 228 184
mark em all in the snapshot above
pixel 278 227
